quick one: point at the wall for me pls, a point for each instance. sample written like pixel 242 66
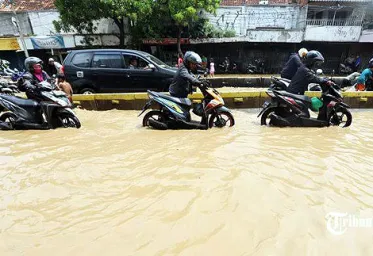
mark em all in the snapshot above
pixel 7 27
pixel 366 36
pixel 42 22
pixel 104 40
pixel 243 18
pixel 279 36
pixel 332 33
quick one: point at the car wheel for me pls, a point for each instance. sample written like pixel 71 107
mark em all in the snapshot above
pixel 87 91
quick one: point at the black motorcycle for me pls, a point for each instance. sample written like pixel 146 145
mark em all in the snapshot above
pixel 287 109
pixel 174 113
pixel 50 111
pixel 7 87
pixel 256 68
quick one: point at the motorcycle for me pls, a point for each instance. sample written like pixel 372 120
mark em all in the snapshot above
pixel 231 68
pixel 52 111
pixel 7 87
pixel 257 68
pixel 283 83
pixel 174 113
pixel 286 109
pixel 5 70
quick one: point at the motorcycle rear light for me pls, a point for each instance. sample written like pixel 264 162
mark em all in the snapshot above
pixel 292 101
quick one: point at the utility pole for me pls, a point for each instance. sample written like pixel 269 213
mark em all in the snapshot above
pixel 15 22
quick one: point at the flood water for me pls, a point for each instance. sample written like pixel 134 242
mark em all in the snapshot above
pixel 115 188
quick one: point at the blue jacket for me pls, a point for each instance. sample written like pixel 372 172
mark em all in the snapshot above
pixel 364 76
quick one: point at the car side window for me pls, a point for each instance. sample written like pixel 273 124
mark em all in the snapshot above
pixel 82 60
pixel 107 61
pixel 135 62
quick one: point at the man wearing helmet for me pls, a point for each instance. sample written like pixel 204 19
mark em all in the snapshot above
pixel 55 66
pixel 364 77
pixel 294 62
pixel 305 74
pixel 34 75
pixel 183 80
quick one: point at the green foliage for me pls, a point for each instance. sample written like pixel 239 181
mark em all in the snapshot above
pixel 186 11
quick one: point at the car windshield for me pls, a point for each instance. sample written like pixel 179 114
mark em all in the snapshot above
pixel 157 61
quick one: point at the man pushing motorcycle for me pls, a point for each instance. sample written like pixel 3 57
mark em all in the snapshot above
pixel 183 81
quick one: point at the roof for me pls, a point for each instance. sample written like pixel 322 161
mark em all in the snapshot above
pixel 27 5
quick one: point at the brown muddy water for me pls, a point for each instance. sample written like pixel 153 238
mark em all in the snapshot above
pixel 115 188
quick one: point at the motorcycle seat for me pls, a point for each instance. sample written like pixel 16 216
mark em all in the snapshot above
pixel 182 101
pixel 296 96
pixel 20 101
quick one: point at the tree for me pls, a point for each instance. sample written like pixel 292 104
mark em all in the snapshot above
pixel 183 12
pixel 82 14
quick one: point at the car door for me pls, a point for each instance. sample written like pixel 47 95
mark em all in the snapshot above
pixel 143 78
pixel 78 70
pixel 109 73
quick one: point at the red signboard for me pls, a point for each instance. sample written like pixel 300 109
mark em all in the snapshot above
pixel 165 41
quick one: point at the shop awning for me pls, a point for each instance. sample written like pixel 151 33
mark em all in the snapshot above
pixel 9 44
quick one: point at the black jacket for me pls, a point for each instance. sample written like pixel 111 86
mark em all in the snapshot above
pixel 301 80
pixel 182 82
pixel 28 84
pixel 291 66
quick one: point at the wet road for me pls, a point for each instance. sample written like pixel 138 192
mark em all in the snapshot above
pixel 115 188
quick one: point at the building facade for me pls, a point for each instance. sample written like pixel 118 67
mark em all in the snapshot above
pixel 40 36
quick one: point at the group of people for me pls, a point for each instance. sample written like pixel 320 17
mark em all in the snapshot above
pixel 35 74
pixel 300 70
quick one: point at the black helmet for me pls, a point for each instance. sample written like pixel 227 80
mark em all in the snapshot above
pixel 30 61
pixel 192 57
pixel 313 58
pixel 370 64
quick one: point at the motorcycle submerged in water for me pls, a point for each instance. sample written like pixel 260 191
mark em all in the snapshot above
pixel 50 111
pixel 286 109
pixel 174 113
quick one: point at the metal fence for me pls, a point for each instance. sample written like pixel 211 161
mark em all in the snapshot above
pixel 336 22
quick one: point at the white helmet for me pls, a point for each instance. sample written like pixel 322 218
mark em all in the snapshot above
pixel 50 60
pixel 303 52
pixel 319 72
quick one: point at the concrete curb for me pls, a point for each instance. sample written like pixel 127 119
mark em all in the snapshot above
pixel 249 99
